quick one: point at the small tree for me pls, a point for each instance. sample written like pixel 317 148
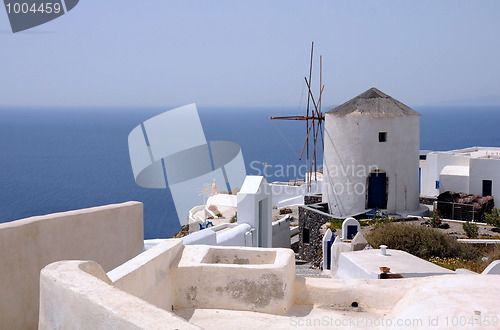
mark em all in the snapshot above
pixel 471 229
pixel 436 220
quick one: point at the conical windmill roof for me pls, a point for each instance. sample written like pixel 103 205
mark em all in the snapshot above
pixel 375 103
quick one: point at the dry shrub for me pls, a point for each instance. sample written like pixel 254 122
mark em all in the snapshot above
pixel 420 241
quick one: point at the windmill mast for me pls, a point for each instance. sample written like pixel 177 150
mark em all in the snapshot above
pixel 314 122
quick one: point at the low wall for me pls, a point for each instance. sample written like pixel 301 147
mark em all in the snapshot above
pixel 369 294
pixel 79 295
pixel 298 200
pixel 234 236
pixel 205 236
pixel 284 195
pixel 109 235
pixel 229 278
pixel 281 233
pixel 139 276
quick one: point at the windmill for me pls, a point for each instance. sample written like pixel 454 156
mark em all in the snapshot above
pixel 314 121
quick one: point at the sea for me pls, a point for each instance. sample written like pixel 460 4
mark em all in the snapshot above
pixel 60 159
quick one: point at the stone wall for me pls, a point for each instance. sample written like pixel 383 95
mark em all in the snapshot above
pixel 427 200
pixel 311 220
pixel 313 199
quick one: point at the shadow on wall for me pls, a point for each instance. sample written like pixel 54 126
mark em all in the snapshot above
pixel 30 244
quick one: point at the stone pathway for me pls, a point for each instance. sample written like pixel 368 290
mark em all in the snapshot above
pixel 303 268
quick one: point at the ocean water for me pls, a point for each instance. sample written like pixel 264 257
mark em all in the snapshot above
pixel 54 160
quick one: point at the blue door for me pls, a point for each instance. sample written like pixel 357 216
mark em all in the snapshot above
pixel 329 251
pixel 377 194
pixel 351 231
pixel 419 180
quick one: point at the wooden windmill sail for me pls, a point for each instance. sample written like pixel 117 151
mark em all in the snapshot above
pixel 314 122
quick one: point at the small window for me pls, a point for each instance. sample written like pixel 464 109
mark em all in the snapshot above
pixel 305 235
pixel 382 136
pixel 423 157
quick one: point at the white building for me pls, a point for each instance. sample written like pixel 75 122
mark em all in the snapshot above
pixel 371 156
pixel 473 170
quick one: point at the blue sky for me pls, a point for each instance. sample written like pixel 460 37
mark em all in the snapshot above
pixel 251 53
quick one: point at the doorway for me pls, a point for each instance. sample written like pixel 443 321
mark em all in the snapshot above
pixel 487 187
pixel 377 191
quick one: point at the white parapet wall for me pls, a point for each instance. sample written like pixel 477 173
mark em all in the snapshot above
pixel 281 233
pixel 234 236
pixel 286 195
pixel 139 276
pixel 109 235
pixel 203 283
pixel 79 295
pixel 225 234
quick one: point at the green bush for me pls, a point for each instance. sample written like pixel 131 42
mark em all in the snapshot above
pixel 335 223
pixel 493 219
pixel 233 219
pixel 420 241
pixel 471 229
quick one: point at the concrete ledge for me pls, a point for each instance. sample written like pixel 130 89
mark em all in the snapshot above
pixel 369 293
pixel 78 295
pixel 479 241
pixel 147 276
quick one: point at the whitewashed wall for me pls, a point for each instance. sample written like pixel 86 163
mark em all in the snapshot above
pixel 431 170
pixel 479 169
pixel 223 200
pixel 255 189
pixel 352 141
pixel 79 295
pixel 485 169
pixel 281 233
pixel 235 236
pixel 109 235
pixel 454 178
pixel 285 195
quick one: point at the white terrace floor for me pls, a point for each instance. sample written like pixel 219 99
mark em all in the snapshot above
pixel 309 317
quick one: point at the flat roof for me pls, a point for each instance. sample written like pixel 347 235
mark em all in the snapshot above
pixel 366 263
pixel 476 152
